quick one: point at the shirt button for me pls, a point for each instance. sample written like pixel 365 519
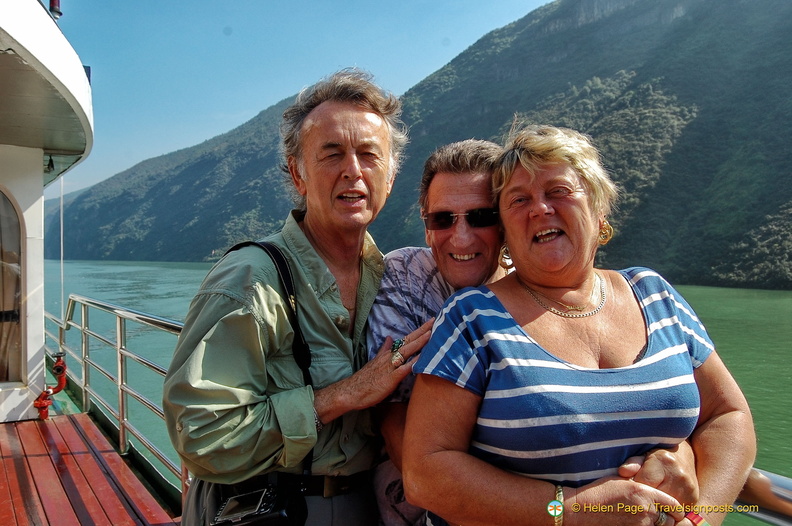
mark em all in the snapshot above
pixel 179 426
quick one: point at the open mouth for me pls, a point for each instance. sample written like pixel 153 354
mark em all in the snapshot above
pixel 545 236
pixel 462 257
pixel 351 197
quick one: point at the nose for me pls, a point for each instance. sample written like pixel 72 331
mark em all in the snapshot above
pixel 351 168
pixel 541 207
pixel 462 233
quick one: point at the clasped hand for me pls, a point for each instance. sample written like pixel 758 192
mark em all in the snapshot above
pixel 664 477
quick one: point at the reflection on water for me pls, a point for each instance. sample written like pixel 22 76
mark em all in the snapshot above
pixel 752 331
pixel 163 289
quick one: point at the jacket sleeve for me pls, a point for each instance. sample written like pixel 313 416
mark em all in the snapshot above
pixel 234 400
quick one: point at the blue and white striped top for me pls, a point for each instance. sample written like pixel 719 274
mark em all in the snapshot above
pixel 548 419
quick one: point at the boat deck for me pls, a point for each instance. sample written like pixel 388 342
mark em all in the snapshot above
pixel 64 471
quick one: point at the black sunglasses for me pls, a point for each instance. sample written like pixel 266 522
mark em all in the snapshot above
pixel 476 218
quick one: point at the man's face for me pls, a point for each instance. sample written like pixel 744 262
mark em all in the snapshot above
pixel 466 256
pixel 344 173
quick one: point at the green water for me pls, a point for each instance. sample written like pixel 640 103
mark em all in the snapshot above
pixel 162 289
pixel 752 331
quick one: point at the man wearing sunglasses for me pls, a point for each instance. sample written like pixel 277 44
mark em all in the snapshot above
pixel 464 239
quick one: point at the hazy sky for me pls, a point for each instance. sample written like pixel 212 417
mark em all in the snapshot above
pixel 169 74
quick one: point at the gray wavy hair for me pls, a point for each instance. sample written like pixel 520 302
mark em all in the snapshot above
pixel 348 85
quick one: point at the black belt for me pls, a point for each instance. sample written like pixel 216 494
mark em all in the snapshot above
pixel 325 485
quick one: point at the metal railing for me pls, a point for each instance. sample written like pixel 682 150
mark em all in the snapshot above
pixel 86 363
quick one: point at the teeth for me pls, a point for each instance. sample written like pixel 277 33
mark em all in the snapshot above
pixel 463 257
pixel 547 235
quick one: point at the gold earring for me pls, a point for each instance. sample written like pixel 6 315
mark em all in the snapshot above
pixel 504 260
pixel 605 233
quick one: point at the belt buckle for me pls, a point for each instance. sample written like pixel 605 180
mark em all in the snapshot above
pixel 334 486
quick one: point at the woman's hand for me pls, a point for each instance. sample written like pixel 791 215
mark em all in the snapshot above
pixel 616 502
pixel 670 470
pixel 375 380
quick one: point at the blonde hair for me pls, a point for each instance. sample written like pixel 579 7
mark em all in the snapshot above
pixel 534 146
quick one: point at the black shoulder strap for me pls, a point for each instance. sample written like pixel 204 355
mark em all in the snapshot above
pixel 300 349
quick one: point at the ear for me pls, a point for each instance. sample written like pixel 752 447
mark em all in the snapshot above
pixel 427 232
pixel 297 179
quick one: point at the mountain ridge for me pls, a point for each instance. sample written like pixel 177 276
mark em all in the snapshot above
pixel 686 100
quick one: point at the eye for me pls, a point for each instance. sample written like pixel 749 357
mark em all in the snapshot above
pixel 559 191
pixel 332 155
pixel 370 155
pixel 517 201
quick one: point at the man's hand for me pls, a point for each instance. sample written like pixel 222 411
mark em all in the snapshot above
pixel 375 380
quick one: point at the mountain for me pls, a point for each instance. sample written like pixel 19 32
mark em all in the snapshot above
pixel 686 99
pixel 188 205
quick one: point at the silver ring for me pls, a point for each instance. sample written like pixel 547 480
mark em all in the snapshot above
pixel 661 518
pixel 397 359
pixel 397 344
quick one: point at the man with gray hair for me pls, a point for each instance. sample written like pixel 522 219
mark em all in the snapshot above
pixel 237 406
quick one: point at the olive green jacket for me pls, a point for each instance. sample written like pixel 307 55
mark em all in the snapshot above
pixel 234 399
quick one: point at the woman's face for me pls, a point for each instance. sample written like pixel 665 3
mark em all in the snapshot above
pixel 550 228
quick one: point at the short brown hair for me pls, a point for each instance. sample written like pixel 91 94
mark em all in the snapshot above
pixel 471 155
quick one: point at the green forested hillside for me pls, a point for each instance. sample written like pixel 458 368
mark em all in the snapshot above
pixel 184 206
pixel 687 99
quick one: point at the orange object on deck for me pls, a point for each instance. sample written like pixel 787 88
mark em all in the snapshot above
pixel 43 402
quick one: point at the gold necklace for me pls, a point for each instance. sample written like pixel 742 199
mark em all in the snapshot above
pixel 578 308
pixel 603 299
